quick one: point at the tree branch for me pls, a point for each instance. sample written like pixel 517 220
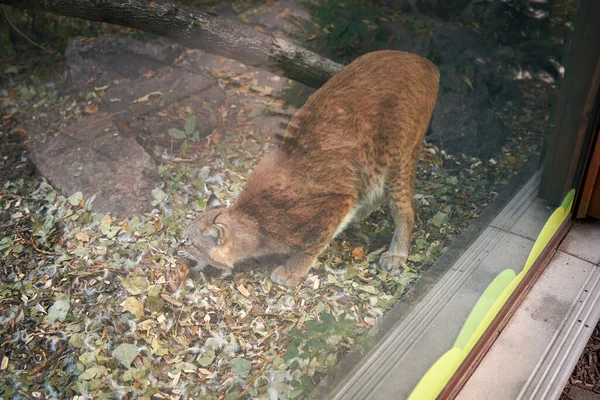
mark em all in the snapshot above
pixel 195 29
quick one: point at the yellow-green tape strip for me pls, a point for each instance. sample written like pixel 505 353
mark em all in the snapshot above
pixel 485 310
pixel 438 375
pixel 484 304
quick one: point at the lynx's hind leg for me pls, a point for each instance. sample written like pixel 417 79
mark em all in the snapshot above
pixel 402 208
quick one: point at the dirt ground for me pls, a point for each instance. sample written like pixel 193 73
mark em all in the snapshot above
pixel 584 383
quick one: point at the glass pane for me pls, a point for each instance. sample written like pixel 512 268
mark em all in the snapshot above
pixel 224 199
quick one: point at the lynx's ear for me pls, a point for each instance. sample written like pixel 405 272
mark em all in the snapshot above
pixel 216 232
pixel 213 202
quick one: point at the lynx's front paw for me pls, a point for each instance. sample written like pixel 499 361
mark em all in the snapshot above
pixel 390 261
pixel 283 277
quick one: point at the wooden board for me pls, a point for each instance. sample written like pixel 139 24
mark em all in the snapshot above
pixel 594 206
pixel 566 147
pixel 589 202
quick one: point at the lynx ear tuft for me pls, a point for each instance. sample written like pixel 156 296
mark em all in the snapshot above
pixel 213 202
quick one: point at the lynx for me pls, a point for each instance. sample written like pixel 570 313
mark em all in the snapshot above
pixel 354 144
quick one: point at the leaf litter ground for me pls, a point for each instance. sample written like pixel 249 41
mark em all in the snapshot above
pixel 92 306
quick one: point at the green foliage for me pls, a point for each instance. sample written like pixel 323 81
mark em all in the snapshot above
pixel 420 26
pixel 189 133
pixel 48 31
pixel 318 344
pixel 347 21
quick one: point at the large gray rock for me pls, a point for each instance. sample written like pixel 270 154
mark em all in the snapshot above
pixel 92 157
pixel 143 87
pixel 400 38
pixel 463 47
pixel 153 105
pixel 441 8
pixel 510 22
pixel 474 77
pixel 108 58
pixel 466 126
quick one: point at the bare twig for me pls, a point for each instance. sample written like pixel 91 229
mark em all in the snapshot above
pixel 100 120
pixel 19 32
pixel 47 360
pixel 256 376
pixel 121 125
pixel 50 253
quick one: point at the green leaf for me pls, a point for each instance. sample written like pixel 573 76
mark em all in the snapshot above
pixel 134 306
pixel 154 304
pixel 157 348
pixel 125 353
pixel 154 290
pixel 27 93
pixel 177 133
pixel 93 372
pixel 75 198
pixel 110 231
pixel 135 285
pixel 327 318
pixel 134 374
pixel 13 69
pixel 133 224
pixel 241 367
pixel 5 242
pixel 291 352
pixel 440 219
pixel 453 181
pixel 76 340
pixel 190 124
pixel 186 367
pixel 58 310
pixel 369 289
pixel 207 358
pixel 158 195
pixel 107 229
pixel 81 386
pixel 233 395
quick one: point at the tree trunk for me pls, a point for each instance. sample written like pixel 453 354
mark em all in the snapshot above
pixel 194 29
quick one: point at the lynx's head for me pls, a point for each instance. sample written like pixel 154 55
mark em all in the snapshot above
pixel 219 239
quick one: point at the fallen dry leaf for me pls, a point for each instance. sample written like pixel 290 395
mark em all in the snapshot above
pixel 91 108
pixel 283 14
pixel 145 98
pixel 301 321
pixel 243 290
pixel 358 252
pixel 171 300
pixel 179 275
pixel 82 236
